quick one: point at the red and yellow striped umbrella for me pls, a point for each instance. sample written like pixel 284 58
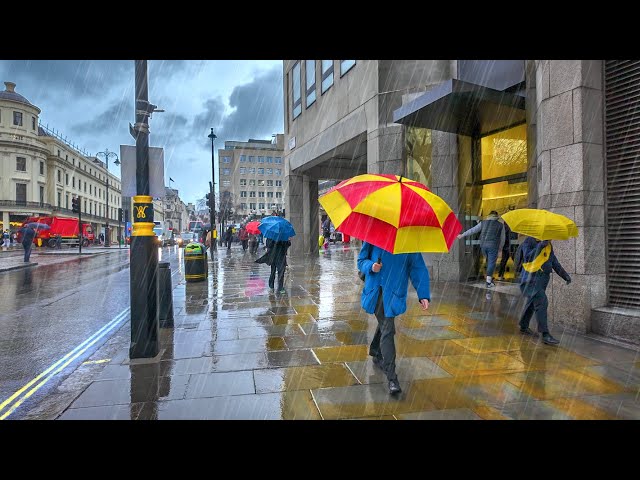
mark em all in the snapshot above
pixel 394 213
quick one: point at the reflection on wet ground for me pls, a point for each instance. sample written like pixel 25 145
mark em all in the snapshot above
pixel 239 351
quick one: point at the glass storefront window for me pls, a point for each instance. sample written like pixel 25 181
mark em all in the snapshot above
pixel 418 149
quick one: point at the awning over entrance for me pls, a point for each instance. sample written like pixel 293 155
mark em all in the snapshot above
pixel 461 107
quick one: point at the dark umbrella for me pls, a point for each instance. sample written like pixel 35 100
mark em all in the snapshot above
pixel 38 226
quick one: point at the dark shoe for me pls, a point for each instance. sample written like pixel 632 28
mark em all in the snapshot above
pixel 491 284
pixel 549 340
pixel 394 387
pixel 527 331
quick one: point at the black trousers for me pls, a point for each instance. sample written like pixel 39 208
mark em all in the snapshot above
pixel 27 250
pixel 245 244
pixel 538 304
pixel 383 345
pixel 279 266
pixel 503 262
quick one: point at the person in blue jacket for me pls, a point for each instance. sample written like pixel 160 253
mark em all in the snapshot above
pixel 385 295
pixel 538 261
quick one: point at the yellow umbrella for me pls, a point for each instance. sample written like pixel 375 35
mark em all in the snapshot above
pixel 540 224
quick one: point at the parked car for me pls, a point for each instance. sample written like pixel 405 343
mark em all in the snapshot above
pixel 186 237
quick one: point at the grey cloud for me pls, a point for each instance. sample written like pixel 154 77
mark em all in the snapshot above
pixel 113 118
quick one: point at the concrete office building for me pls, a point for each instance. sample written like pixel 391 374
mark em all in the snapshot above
pixel 251 178
pixel 486 135
pixel 40 172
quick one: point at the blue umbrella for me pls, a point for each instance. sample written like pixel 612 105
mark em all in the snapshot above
pixel 276 228
pixel 38 226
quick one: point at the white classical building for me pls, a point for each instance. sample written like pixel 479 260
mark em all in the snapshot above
pixel 40 173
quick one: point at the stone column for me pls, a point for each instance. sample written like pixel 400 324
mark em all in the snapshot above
pixel 293 186
pixel 311 245
pixel 385 150
pixel 5 221
pixel 444 183
pixel 570 175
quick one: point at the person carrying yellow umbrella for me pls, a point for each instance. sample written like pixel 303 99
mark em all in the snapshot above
pixel 538 261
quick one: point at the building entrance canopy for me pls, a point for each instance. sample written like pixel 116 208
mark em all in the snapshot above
pixel 464 108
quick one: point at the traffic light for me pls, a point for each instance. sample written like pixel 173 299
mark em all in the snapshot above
pixel 75 205
pixel 119 215
pixel 208 197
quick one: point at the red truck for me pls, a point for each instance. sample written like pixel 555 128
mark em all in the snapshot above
pixel 66 227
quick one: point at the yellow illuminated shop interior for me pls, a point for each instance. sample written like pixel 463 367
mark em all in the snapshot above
pixel 504 154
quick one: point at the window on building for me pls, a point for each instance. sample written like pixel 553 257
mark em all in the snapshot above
pixel 85 168
pixel 58 152
pixel 278 171
pixel 261 171
pixel 261 183
pixel 66 179
pixel 278 183
pixel 226 183
pixel 252 194
pixel 269 194
pixel 269 171
pixel 269 183
pixel 269 159
pixel 17 118
pixel 278 160
pixel 21 164
pixel 327 75
pixel 226 159
pixel 41 168
pixel 73 182
pixel 90 208
pixel 225 171
pixel 261 194
pixel 243 158
pixel 346 65
pixel 252 170
pixel 243 194
pixel 85 207
pixel 33 123
pixel 252 206
pixel 252 159
pixel 295 91
pixel 261 206
pixel 252 183
pixel 66 202
pixel 243 170
pixel 41 195
pixel 66 157
pixel 85 187
pixel 21 193
pixel 59 199
pixel 243 206
pixel 278 194
pixel 243 182
pixel 310 77
pixel 260 159
pixel 90 192
pixel 59 176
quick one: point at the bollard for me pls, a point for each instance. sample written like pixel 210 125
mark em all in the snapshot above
pixel 165 292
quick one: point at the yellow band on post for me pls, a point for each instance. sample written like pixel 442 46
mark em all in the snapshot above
pixel 142 199
pixel 143 229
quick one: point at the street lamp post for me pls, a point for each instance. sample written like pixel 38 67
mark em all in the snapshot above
pixel 212 198
pixel 106 154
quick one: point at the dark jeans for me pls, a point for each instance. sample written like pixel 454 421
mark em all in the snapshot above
pixel 245 244
pixel 537 303
pixel 279 266
pixel 492 255
pixel 383 345
pixel 253 247
pixel 27 250
pixel 228 244
pixel 503 262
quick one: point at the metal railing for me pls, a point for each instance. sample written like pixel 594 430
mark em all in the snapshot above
pixel 18 203
pixel 58 135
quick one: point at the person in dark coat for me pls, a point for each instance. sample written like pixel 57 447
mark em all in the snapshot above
pixel 506 251
pixel 276 257
pixel 538 260
pixel 28 234
pixel 491 241
pixel 229 237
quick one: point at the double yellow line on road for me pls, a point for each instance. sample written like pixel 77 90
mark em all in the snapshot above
pixel 14 401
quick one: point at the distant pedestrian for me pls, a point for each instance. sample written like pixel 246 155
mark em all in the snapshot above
pixel 28 234
pixel 6 239
pixel 385 295
pixel 229 237
pixel 253 244
pixel 244 237
pixel 538 260
pixel 58 241
pixel 491 241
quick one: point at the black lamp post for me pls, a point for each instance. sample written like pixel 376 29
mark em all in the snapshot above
pixel 106 154
pixel 212 198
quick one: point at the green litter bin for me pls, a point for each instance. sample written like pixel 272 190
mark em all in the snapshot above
pixel 195 262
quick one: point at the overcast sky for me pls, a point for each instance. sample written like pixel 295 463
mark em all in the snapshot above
pixel 91 102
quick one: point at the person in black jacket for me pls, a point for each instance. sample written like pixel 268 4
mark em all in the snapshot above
pixel 28 234
pixel 276 257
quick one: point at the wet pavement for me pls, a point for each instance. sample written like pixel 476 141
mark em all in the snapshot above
pixel 51 310
pixel 238 351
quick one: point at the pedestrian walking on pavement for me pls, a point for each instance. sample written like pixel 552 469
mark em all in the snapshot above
pixel 229 237
pixel 28 234
pixel 244 237
pixel 491 241
pixel 385 295
pixel 276 258
pixel 538 260
pixel 6 239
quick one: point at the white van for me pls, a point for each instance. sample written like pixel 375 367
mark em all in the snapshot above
pixel 158 229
